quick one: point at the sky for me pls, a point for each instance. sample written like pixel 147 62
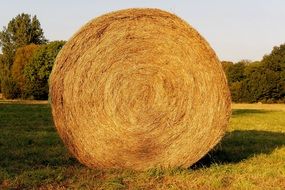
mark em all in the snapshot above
pixel 236 30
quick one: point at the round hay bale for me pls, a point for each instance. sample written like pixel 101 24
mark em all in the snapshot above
pixel 139 88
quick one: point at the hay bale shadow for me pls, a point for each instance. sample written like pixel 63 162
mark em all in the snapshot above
pixel 243 112
pixel 240 145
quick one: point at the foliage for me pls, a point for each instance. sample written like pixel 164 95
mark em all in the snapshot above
pixel 236 73
pixel 8 86
pixel 22 57
pixel 1 70
pixel 10 89
pixel 274 64
pixel 38 70
pixel 262 81
pixel 20 31
pixel 4 70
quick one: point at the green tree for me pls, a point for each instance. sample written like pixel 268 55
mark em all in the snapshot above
pixel 275 61
pixel 236 91
pixel 20 31
pixel 236 72
pixel 227 66
pixel 39 68
pixel 261 85
pixel 274 65
pixel 258 81
pixel 8 86
pixel 251 88
pixel 1 70
pixel 22 57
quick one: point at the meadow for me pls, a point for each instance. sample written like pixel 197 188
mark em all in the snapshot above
pixel 250 156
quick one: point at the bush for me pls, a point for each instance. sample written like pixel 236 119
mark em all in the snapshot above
pixel 37 71
pixel 22 57
pixel 9 87
pixel 1 70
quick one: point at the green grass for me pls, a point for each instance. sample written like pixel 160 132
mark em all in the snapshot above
pixel 250 156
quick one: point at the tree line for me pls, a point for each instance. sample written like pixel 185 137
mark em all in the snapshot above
pixel 27 59
pixel 259 81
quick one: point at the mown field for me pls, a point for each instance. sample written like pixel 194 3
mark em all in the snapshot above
pixel 250 156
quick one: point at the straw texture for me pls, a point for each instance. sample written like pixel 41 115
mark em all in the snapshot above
pixel 139 88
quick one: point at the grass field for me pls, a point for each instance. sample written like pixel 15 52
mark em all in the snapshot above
pixel 250 156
